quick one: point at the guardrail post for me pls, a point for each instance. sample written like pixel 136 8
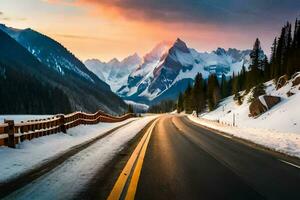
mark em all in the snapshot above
pixel 62 124
pixel 11 133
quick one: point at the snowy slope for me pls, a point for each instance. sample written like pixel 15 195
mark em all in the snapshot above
pixel 49 52
pixel 142 76
pixel 115 73
pixel 278 128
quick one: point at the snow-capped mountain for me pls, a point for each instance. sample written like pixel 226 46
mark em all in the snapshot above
pixel 170 71
pixel 49 52
pixel 167 70
pixel 63 70
pixel 143 75
pixel 115 73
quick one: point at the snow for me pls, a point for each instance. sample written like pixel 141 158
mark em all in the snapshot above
pixel 55 56
pixel 19 118
pixel 278 128
pixel 115 73
pixel 263 101
pixel 137 106
pixel 68 179
pixel 205 63
pixel 32 153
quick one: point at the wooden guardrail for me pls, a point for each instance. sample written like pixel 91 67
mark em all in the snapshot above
pixel 12 133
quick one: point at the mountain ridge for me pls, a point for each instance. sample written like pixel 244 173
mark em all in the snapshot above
pixel 84 89
pixel 168 63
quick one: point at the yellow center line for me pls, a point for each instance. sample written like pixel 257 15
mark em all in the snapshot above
pixel 137 171
pixel 118 188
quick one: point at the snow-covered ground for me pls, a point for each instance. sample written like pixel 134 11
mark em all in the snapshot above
pixel 19 118
pixel 69 178
pixel 29 154
pixel 278 128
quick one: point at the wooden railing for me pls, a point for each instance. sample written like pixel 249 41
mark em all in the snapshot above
pixel 12 133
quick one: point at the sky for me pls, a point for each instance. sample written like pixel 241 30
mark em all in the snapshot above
pixel 105 29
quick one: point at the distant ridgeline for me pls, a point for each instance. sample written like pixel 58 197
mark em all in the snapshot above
pixel 40 76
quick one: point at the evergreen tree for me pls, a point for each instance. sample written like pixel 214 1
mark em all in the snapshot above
pixel 180 107
pixel 163 107
pixel 130 109
pixel 213 91
pixel 224 87
pixel 256 66
pixel 198 94
pixel 273 59
pixel 235 84
pixel 187 99
pixel 267 71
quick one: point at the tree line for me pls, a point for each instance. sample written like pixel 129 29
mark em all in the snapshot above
pixel 284 60
pixel 163 107
pixel 22 93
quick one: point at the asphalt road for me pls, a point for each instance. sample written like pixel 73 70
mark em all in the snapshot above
pixel 185 161
pixel 178 159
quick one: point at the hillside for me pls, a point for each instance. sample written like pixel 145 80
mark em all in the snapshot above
pixel 24 87
pixel 55 65
pixel 287 109
pixel 277 128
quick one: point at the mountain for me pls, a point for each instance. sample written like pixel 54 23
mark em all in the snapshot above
pixel 166 70
pixel 114 72
pixel 54 65
pixel 23 81
pixel 173 68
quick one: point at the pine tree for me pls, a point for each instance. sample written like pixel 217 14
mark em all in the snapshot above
pixel 273 70
pixel 187 99
pixel 198 94
pixel 213 91
pixel 180 103
pixel 224 87
pixel 130 109
pixel 256 66
pixel 267 71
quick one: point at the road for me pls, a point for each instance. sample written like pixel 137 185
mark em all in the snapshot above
pixel 171 158
pixel 186 161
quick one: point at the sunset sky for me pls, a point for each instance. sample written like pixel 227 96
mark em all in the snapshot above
pixel 116 28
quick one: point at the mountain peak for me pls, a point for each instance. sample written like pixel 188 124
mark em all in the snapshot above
pixel 114 61
pixel 157 52
pixel 220 51
pixel 181 46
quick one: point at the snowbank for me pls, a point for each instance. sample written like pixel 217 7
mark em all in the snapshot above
pixel 19 118
pixel 284 142
pixel 284 117
pixel 31 153
pixel 278 128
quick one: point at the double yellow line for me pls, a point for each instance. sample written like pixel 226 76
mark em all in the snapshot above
pixel 135 161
